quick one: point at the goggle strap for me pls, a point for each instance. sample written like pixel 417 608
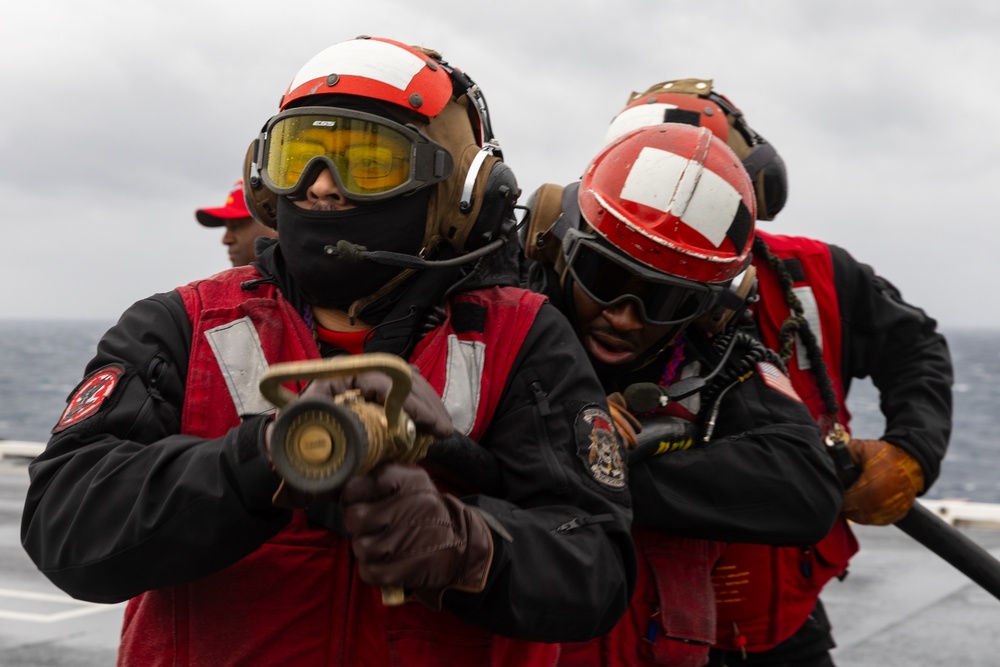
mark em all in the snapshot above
pixel 359 306
pixel 257 153
pixel 440 164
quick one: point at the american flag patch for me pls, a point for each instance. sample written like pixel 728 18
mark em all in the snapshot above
pixel 776 380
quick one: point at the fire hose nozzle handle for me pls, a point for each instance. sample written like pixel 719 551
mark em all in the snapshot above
pixel 319 443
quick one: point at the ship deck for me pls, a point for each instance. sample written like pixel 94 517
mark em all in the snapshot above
pixel 899 605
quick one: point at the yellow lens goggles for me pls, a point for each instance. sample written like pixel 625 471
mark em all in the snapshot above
pixel 371 157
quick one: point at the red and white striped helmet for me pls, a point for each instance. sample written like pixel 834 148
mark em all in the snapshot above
pixel 374 68
pixel 675 198
pixel 416 87
pixel 653 108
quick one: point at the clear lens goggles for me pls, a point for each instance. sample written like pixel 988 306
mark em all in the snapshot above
pixel 371 158
pixel 608 278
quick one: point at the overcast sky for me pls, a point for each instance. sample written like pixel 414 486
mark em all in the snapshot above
pixel 119 119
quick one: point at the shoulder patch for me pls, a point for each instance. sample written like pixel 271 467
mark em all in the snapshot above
pixel 599 447
pixel 90 395
pixel 775 379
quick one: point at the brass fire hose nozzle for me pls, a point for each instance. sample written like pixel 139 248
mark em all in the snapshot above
pixel 319 443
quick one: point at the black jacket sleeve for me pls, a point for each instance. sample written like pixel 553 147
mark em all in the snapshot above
pixel 764 476
pixel 564 566
pixel 899 347
pixel 115 497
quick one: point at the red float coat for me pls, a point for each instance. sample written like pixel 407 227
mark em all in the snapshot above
pixel 298 600
pixel 765 593
pixel 671 620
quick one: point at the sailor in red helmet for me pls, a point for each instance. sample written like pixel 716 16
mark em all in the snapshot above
pixel 833 319
pixel 645 253
pixel 394 208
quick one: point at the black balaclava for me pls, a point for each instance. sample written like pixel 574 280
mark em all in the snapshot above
pixel 395 225
pixel 327 281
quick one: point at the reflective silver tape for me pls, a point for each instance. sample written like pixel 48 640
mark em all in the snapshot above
pixel 811 312
pixel 241 358
pixel 463 382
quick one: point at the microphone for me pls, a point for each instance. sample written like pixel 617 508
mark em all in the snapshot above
pixel 648 396
pixel 350 252
pixel 645 397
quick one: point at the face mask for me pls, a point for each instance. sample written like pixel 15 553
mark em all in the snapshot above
pixel 327 281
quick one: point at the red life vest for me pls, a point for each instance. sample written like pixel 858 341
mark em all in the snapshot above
pixel 764 593
pixel 298 600
pixel 671 617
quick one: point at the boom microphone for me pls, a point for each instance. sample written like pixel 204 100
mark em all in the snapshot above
pixel 350 252
pixel 645 397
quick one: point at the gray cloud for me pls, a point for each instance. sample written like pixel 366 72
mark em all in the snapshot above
pixel 120 119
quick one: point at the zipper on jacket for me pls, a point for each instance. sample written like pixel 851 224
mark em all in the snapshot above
pixel 583 521
pixel 541 411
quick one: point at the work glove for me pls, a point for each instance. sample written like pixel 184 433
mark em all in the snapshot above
pixel 887 486
pixel 406 534
pixel 626 424
pixel 649 436
pixel 422 405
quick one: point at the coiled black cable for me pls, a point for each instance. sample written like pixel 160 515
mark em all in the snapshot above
pixel 748 353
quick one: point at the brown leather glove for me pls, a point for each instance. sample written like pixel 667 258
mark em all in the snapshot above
pixel 405 533
pixel 887 487
pixel 626 424
pixel 423 404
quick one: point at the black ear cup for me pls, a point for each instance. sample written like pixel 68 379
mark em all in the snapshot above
pixel 760 155
pixel 765 166
pixel 770 180
pixel 772 188
pixel 496 215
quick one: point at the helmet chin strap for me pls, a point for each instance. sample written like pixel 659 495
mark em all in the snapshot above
pixel 359 305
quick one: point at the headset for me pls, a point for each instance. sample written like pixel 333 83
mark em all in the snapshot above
pixel 496 220
pixel 765 167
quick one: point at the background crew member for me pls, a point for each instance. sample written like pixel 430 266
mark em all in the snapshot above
pixel 241 229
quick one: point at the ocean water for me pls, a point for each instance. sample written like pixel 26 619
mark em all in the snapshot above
pixel 41 362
